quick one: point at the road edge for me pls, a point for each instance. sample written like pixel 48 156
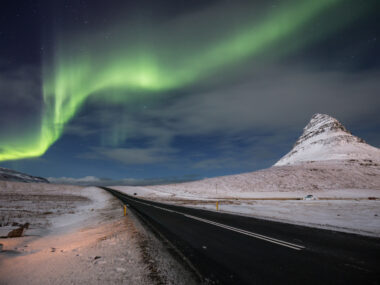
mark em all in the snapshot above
pixel 172 250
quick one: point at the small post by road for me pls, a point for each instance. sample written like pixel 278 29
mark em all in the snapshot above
pixel 125 210
pixel 217 205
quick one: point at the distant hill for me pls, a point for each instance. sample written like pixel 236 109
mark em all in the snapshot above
pixel 12 175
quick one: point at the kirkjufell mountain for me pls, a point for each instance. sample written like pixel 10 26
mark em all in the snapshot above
pixel 326 157
pixel 325 138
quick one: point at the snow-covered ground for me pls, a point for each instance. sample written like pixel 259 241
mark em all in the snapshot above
pixel 49 208
pixel 77 235
pixel 355 216
pixel 287 181
pixel 345 190
pixel 348 210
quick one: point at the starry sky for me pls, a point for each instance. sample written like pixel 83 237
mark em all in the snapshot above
pixel 141 92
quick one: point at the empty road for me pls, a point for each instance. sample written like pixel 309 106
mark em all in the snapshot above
pixel 232 249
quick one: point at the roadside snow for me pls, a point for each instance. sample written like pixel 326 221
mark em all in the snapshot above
pixel 362 217
pixel 92 255
pixel 78 236
pixel 85 214
pixel 49 208
pixel 344 189
pixel 347 210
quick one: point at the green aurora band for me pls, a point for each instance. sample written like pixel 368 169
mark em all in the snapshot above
pixel 87 67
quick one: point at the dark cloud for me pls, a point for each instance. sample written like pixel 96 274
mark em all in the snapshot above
pixel 21 87
pixel 20 99
pixel 246 121
pixel 283 97
pixel 148 155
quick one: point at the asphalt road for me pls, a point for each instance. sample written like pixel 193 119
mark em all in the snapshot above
pixel 231 249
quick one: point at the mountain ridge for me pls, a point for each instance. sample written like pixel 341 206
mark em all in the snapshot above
pixel 15 176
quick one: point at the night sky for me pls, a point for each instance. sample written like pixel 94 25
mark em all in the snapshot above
pixel 159 91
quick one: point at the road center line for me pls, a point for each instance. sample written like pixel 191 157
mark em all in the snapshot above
pixel 251 234
pixel 255 235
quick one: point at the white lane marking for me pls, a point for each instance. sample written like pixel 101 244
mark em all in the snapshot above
pixel 251 234
pixel 255 235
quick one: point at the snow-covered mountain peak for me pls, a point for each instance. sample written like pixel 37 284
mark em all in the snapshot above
pixel 323 126
pixel 325 138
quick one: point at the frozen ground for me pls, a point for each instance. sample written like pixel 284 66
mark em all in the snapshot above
pixel 310 177
pixel 356 216
pixel 348 210
pixel 48 208
pixel 345 190
pixel 329 179
pixel 78 236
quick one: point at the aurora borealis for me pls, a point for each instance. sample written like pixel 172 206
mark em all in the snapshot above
pixel 136 57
